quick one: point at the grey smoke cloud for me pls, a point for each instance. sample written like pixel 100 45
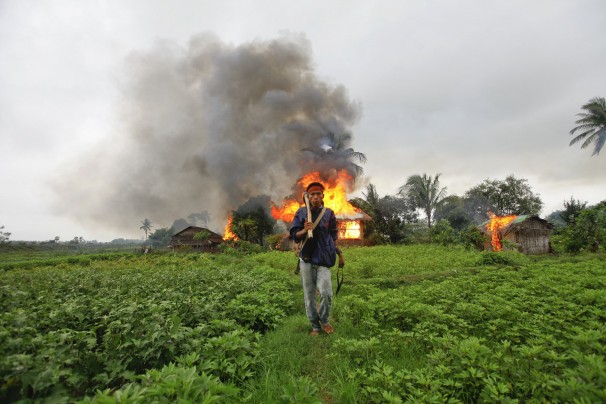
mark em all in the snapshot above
pixel 206 126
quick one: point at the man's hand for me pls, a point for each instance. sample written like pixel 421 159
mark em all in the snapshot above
pixel 306 227
pixel 341 261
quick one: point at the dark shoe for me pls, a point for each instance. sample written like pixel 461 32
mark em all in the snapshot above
pixel 328 328
pixel 314 333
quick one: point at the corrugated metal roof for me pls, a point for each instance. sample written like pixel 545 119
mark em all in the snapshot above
pixel 518 219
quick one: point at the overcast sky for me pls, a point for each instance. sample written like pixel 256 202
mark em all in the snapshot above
pixel 469 89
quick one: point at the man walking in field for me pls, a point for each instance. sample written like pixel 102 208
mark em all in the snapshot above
pixel 316 256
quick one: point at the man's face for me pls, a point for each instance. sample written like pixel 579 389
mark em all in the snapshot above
pixel 315 198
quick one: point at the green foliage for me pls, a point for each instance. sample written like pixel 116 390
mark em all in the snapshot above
pixel 389 216
pixel 511 258
pixel 586 233
pixel 161 237
pixel 252 221
pixel 572 210
pixel 301 390
pixel 4 236
pixel 421 323
pixel 443 233
pixel 171 383
pixel 102 325
pixel 58 260
pixel 202 235
pixel 555 218
pixel 472 237
pixel 493 336
pixel 241 247
pixel 590 228
pixel 146 226
pixel 273 240
pixel 453 209
pixel 425 193
pixel 511 196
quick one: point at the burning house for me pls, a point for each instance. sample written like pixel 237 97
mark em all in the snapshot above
pixel 527 234
pixel 350 220
pixel 351 227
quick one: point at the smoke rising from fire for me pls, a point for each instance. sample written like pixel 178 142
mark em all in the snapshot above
pixel 207 126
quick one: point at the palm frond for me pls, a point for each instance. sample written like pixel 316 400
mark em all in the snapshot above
pixel 580 137
pixel 357 169
pixel 599 142
pixel 592 124
pixel 582 127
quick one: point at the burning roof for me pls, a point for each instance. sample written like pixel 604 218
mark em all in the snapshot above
pixel 529 232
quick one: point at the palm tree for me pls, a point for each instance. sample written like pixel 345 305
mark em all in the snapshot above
pixel 334 148
pixel 424 192
pixel 372 197
pixel 592 125
pixel 146 226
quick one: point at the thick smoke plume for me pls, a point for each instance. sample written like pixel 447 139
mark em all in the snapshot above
pixel 205 127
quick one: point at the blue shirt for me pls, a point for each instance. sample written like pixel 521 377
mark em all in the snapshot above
pixel 325 235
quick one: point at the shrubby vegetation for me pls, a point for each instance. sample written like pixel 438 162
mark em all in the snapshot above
pixel 414 323
pixel 585 229
pixel 109 323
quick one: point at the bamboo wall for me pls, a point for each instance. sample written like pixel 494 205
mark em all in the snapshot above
pixel 530 240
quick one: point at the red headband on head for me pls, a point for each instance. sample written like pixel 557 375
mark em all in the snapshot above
pixel 315 188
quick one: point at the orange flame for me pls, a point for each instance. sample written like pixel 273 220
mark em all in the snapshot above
pixel 335 197
pixel 228 234
pixel 287 211
pixel 350 229
pixel 494 226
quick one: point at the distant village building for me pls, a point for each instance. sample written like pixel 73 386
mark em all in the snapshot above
pixel 527 234
pixel 208 241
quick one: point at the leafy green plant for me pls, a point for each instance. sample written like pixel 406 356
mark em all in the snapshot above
pixel 300 390
pixel 449 327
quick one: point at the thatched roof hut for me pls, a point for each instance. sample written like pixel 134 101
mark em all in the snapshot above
pixel 208 241
pixel 528 234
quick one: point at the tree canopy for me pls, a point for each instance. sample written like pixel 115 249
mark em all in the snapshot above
pixel 453 209
pixel 572 210
pixel 424 192
pixel 146 226
pixel 511 196
pixel 4 236
pixel 252 221
pixel 161 237
pixel 389 215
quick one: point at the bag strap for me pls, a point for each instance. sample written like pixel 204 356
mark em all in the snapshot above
pixel 315 224
pixel 318 218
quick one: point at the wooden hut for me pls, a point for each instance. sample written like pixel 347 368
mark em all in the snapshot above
pixel 528 234
pixel 187 238
pixel 351 228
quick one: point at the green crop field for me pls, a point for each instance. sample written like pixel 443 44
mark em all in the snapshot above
pixel 413 324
